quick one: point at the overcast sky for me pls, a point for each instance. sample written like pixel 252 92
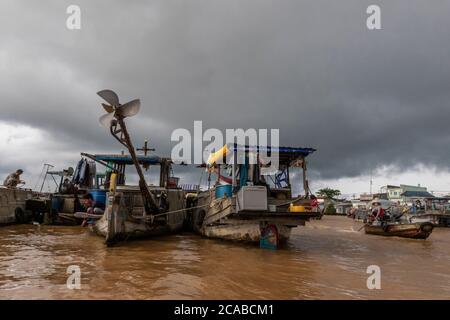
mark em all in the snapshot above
pixel 366 100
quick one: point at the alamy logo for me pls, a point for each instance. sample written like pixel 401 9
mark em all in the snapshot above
pixel 247 142
pixel 374 280
pixel 373 22
pixel 74 279
pixel 73 21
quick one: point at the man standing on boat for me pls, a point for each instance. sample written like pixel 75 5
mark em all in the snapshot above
pixel 13 179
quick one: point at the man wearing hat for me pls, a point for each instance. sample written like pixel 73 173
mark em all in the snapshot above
pixel 377 211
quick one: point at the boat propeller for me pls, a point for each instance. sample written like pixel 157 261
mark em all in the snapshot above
pixel 116 110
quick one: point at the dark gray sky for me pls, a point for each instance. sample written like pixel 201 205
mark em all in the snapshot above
pixel 365 99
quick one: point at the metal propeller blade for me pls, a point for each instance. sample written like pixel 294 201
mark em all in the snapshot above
pixel 105 120
pixel 110 97
pixel 130 108
pixel 108 108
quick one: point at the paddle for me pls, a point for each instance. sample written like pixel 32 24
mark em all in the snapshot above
pixel 85 215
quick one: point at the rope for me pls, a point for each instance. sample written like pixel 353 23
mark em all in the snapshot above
pixel 179 210
pixel 39 178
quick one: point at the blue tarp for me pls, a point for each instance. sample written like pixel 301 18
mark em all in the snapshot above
pixel 417 194
pixel 126 159
pixel 282 150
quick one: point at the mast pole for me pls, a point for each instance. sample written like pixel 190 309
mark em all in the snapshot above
pixel 150 202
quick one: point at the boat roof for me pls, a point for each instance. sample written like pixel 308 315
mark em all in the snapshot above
pixel 285 154
pixel 417 194
pixel 126 159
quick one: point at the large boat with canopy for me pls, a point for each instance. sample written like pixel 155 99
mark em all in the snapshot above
pixel 249 206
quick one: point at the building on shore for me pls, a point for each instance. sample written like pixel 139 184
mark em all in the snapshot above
pixel 393 192
pixel 406 193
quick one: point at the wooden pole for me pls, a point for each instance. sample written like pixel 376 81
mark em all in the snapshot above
pixel 305 184
pixel 149 201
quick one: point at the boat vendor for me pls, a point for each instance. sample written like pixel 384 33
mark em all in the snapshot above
pixel 13 179
pixel 417 206
pixel 314 203
pixel 378 212
pixel 91 208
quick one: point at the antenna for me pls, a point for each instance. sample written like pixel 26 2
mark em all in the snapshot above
pixel 47 166
pixel 145 148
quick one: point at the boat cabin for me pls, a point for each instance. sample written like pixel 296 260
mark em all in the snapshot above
pixel 275 187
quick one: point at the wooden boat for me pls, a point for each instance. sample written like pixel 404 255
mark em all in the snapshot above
pixel 436 217
pixel 135 211
pixel 125 216
pixel 12 205
pixel 59 207
pixel 254 211
pixel 405 230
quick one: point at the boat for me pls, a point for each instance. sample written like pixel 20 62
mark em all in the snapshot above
pixel 13 205
pixel 125 216
pixel 59 207
pixel 438 218
pixel 135 211
pixel 251 207
pixel 420 230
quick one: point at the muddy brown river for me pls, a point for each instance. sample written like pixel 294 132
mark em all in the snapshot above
pixel 327 259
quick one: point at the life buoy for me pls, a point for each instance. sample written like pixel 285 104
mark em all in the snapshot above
pixel 269 237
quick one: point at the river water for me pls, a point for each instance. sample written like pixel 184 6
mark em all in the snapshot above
pixel 326 259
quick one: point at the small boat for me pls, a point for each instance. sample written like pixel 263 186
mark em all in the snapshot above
pixel 405 230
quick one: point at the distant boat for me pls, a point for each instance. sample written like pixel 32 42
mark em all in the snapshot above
pixel 405 230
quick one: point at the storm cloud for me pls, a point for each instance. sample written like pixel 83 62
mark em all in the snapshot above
pixel 365 99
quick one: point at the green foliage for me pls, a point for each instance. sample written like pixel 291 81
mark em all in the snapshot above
pixel 330 209
pixel 329 193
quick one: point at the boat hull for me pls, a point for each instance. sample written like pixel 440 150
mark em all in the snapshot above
pixel 437 218
pixel 132 230
pixel 12 205
pixel 124 219
pixel 410 230
pixel 218 218
pixel 242 231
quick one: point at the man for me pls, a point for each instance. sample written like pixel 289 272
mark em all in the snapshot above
pixel 13 179
pixel 91 208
